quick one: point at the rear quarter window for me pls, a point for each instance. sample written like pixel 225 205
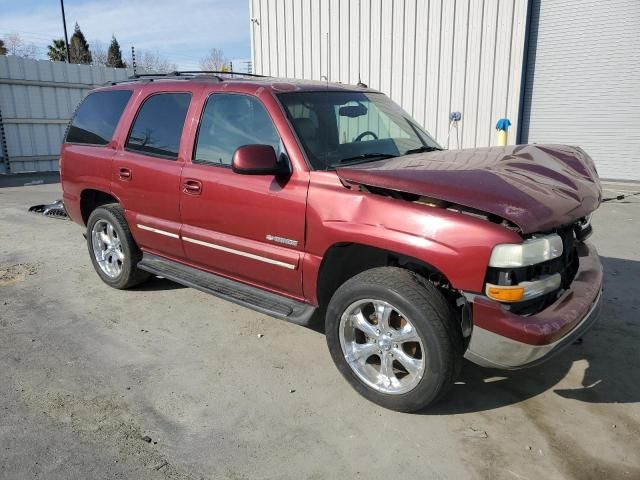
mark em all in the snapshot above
pixel 97 116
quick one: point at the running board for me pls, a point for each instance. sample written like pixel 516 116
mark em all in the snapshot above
pixel 240 293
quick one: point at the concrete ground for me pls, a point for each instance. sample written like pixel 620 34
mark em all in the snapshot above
pixel 87 371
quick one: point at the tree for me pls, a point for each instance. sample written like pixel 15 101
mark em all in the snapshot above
pixel 79 48
pixel 148 61
pixel 15 45
pixel 98 53
pixel 57 51
pixel 215 61
pixel 114 55
pixel 3 49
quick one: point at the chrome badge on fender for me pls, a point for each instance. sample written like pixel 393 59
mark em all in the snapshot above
pixel 285 241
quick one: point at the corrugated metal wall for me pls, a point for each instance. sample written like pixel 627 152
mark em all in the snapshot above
pixel 37 99
pixel 431 56
pixel 583 81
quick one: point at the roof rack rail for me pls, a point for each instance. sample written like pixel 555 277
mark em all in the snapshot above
pixel 214 72
pixel 184 75
pixel 192 73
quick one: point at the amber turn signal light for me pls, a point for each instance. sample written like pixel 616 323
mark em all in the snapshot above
pixel 505 294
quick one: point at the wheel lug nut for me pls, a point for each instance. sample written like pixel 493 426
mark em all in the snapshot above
pixel 378 331
pixel 395 345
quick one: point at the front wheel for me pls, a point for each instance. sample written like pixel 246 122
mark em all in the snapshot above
pixel 394 338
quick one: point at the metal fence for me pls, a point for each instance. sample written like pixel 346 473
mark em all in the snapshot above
pixel 37 99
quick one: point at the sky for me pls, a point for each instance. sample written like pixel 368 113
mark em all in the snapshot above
pixel 182 31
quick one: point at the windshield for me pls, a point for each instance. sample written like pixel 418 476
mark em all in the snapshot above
pixel 344 128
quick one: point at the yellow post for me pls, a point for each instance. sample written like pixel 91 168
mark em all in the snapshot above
pixel 503 128
pixel 502 138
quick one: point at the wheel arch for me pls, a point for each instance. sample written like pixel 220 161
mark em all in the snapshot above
pixel 91 198
pixel 342 261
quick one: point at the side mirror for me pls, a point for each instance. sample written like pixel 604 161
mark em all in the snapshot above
pixel 257 160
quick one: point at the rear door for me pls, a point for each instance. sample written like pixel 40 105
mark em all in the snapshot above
pixel 248 227
pixel 147 168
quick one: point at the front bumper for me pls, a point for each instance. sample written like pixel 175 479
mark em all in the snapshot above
pixel 501 339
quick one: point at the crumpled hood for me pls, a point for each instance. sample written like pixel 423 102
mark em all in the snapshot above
pixel 537 187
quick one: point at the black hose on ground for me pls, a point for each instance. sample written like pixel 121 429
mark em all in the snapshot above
pixel 620 197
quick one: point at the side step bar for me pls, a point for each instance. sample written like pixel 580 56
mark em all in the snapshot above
pixel 236 292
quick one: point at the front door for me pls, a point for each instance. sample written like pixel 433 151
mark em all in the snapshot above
pixel 146 173
pixel 247 227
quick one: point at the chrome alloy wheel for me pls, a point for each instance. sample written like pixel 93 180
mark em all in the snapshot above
pixel 382 346
pixel 107 248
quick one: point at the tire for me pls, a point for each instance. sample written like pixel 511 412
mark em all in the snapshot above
pixel 434 342
pixel 113 251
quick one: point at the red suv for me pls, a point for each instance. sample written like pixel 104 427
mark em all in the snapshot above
pixel 308 200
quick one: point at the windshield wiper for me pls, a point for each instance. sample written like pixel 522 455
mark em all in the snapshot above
pixel 367 156
pixel 422 149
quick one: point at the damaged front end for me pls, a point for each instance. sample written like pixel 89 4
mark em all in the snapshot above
pixel 545 193
pixel 538 293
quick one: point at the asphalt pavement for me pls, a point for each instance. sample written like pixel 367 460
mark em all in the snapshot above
pixel 167 382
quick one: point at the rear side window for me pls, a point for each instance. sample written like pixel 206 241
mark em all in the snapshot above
pixel 97 117
pixel 158 126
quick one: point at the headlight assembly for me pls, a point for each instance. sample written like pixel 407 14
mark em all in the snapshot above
pixel 529 252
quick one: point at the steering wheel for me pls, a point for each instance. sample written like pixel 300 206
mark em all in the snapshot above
pixel 364 134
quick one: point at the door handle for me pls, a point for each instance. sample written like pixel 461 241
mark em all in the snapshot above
pixel 124 173
pixel 192 187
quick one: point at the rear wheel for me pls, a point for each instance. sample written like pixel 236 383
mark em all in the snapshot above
pixel 113 251
pixel 393 336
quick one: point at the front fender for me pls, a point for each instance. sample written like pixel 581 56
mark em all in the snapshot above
pixel 457 244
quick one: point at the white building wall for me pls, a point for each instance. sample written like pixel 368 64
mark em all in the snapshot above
pixel 583 85
pixel 431 56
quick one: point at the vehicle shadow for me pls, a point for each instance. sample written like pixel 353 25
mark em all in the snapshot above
pixel 155 284
pixel 610 349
